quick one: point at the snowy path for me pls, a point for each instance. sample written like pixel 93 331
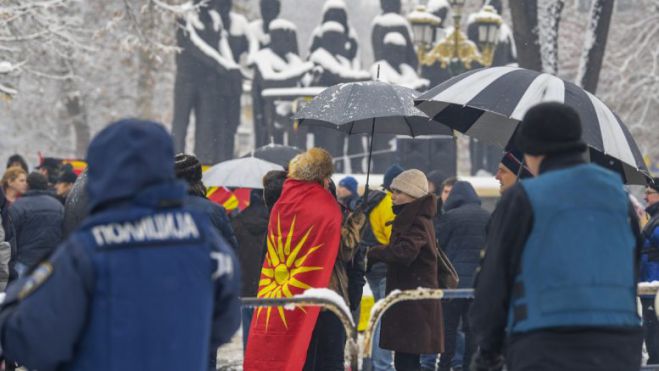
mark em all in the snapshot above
pixel 230 355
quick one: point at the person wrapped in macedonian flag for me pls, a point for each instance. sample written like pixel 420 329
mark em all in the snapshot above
pixel 303 238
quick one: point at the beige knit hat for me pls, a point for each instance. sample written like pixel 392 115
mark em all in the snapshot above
pixel 413 182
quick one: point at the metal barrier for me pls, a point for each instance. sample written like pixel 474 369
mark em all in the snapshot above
pixel 345 318
pixel 383 305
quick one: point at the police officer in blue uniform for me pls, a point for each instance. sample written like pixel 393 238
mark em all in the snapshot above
pixel 143 284
pixel 557 288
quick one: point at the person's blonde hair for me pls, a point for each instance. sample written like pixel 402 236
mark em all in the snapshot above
pixel 10 175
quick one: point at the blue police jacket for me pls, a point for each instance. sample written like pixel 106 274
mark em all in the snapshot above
pixel 144 284
pixel 577 267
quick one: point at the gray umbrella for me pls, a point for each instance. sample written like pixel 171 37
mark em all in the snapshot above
pixel 369 107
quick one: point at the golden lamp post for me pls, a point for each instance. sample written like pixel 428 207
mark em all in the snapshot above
pixel 455 51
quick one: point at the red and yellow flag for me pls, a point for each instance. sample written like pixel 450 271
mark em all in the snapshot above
pixel 223 196
pixel 78 165
pixel 303 241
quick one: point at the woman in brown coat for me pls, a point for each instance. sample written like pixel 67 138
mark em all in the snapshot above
pixel 411 328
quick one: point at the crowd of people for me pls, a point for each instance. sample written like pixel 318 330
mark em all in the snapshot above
pixel 150 279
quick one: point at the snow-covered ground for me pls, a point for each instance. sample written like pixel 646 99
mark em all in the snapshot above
pixel 230 355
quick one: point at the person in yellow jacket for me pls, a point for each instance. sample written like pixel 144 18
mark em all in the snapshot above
pixel 377 232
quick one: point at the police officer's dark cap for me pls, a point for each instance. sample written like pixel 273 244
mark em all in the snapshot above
pixel 550 128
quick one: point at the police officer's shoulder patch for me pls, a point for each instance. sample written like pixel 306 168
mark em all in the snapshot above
pixel 36 279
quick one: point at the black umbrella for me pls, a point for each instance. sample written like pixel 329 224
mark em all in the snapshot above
pixel 275 153
pixel 489 103
pixel 368 108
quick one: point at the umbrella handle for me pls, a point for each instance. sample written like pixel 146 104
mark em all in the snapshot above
pixel 370 155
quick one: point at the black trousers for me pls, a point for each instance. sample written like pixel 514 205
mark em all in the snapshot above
pixel 407 361
pixel 325 352
pixel 650 330
pixel 453 311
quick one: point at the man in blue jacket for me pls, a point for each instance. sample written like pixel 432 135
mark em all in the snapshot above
pixel 558 281
pixel 650 270
pixel 143 284
pixel 37 218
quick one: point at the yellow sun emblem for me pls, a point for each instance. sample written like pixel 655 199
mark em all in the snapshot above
pixel 280 276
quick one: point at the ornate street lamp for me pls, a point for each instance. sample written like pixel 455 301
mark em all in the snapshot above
pixel 455 52
pixel 424 26
pixel 488 24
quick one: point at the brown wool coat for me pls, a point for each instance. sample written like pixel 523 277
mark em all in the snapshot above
pixel 411 256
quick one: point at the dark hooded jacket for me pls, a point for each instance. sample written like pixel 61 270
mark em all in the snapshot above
pixel 37 218
pixel 461 231
pixel 251 227
pixel 413 326
pixel 217 215
pixel 141 276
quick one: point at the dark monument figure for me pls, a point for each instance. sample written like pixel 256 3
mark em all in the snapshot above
pixel 208 80
pixel 392 21
pixel 276 66
pixel 335 10
pixel 197 80
pixel 261 32
pixel 235 28
pixel 394 69
pixel 333 67
pixel 260 28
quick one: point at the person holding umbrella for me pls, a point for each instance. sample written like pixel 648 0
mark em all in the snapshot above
pixel 558 274
pixel 411 328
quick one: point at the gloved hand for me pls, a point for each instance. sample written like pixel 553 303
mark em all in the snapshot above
pixel 486 361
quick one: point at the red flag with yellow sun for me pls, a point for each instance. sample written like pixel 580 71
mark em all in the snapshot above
pixel 303 240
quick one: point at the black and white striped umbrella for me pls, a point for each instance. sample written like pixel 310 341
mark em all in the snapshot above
pixel 489 103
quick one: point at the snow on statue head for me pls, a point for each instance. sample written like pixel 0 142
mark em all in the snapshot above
pixel 333 37
pixel 330 27
pixel 282 24
pixel 496 4
pixel 270 9
pixel 390 6
pixel 439 8
pixel 395 38
pixel 335 11
pixel 334 4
